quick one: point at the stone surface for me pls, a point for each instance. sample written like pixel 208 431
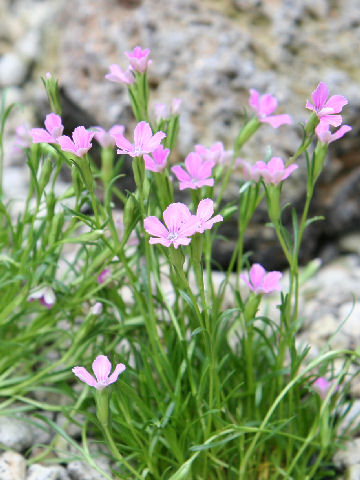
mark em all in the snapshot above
pixel 82 471
pixel 12 466
pixel 40 472
pixel 15 433
pixel 350 455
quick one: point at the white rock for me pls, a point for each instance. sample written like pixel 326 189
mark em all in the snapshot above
pixel 353 472
pixel 40 472
pixel 12 70
pixel 15 433
pixel 12 466
pixel 82 471
pixel 350 455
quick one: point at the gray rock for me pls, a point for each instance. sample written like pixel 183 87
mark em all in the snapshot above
pixel 12 466
pixel 353 473
pixel 15 433
pixel 13 70
pixel 349 456
pixel 82 471
pixel 40 472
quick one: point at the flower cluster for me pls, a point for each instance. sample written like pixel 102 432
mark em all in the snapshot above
pixel 138 62
pixel 181 224
pixel 328 110
pixel 272 172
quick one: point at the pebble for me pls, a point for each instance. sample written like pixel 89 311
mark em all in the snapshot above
pixel 40 472
pixel 15 433
pixel 13 70
pixel 79 470
pixel 12 466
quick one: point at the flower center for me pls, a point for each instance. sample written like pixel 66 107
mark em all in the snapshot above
pixel 172 236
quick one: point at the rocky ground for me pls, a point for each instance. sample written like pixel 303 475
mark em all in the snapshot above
pixel 209 53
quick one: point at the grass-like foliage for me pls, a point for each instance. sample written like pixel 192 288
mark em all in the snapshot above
pixel 209 387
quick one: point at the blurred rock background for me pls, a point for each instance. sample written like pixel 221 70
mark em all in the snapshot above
pixel 208 53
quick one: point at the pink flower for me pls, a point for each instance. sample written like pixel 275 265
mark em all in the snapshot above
pixel 261 282
pixel 215 153
pixel 101 367
pixel 249 171
pixel 104 275
pixel 264 107
pixel 161 111
pixel 175 106
pixel 54 130
pixel 97 308
pixel 23 138
pixel 180 225
pixel 326 109
pixel 144 141
pixel 108 139
pixel 139 59
pixel 45 295
pixel 117 75
pixel 324 134
pixel 274 171
pixel 322 386
pixel 204 212
pixel 80 143
pixel 158 161
pixel 197 174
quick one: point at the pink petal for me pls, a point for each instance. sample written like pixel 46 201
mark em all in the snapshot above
pixel 120 367
pixel 67 144
pixel 84 376
pixel 275 164
pixel 124 145
pixel 40 135
pixel 205 209
pixel 254 99
pixel 189 227
pixel 82 137
pixel 268 104
pixel 244 278
pixel 153 226
pixel 181 241
pixel 175 214
pixel 150 164
pixel 53 125
pixel 193 164
pixel 155 141
pixel 117 130
pixel 205 169
pixel 271 282
pixel 319 95
pixel 209 182
pixel 256 275
pixel 336 103
pixel 340 132
pixel 101 367
pixel 181 174
pixel 142 135
pixel 162 241
pixel 277 120
pixel 334 120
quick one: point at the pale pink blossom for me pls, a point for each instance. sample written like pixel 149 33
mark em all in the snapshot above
pixel 215 153
pixel 144 141
pixel 261 282
pixel 97 308
pixel 324 134
pixel 264 106
pixel 108 138
pixel 117 75
pixel 249 171
pixel 101 367
pixel 23 138
pixel 104 275
pixel 80 143
pixel 322 386
pixel 175 106
pixel 54 129
pixel 180 226
pixel 197 173
pixel 204 212
pixel 274 171
pixel 326 108
pixel 158 161
pixel 161 111
pixel 45 295
pixel 139 59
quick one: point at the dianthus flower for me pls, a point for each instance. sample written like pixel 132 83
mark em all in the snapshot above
pixel 139 59
pixel 326 108
pixel 322 386
pixel 204 212
pixel 180 226
pixel 101 367
pixel 45 295
pixel 23 138
pixel 54 129
pixel 215 153
pixel 261 282
pixel 80 143
pixel 104 275
pixel 324 134
pixel 144 141
pixel 158 161
pixel 274 171
pixel 108 138
pixel 197 172
pixel 117 75
pixel 264 106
